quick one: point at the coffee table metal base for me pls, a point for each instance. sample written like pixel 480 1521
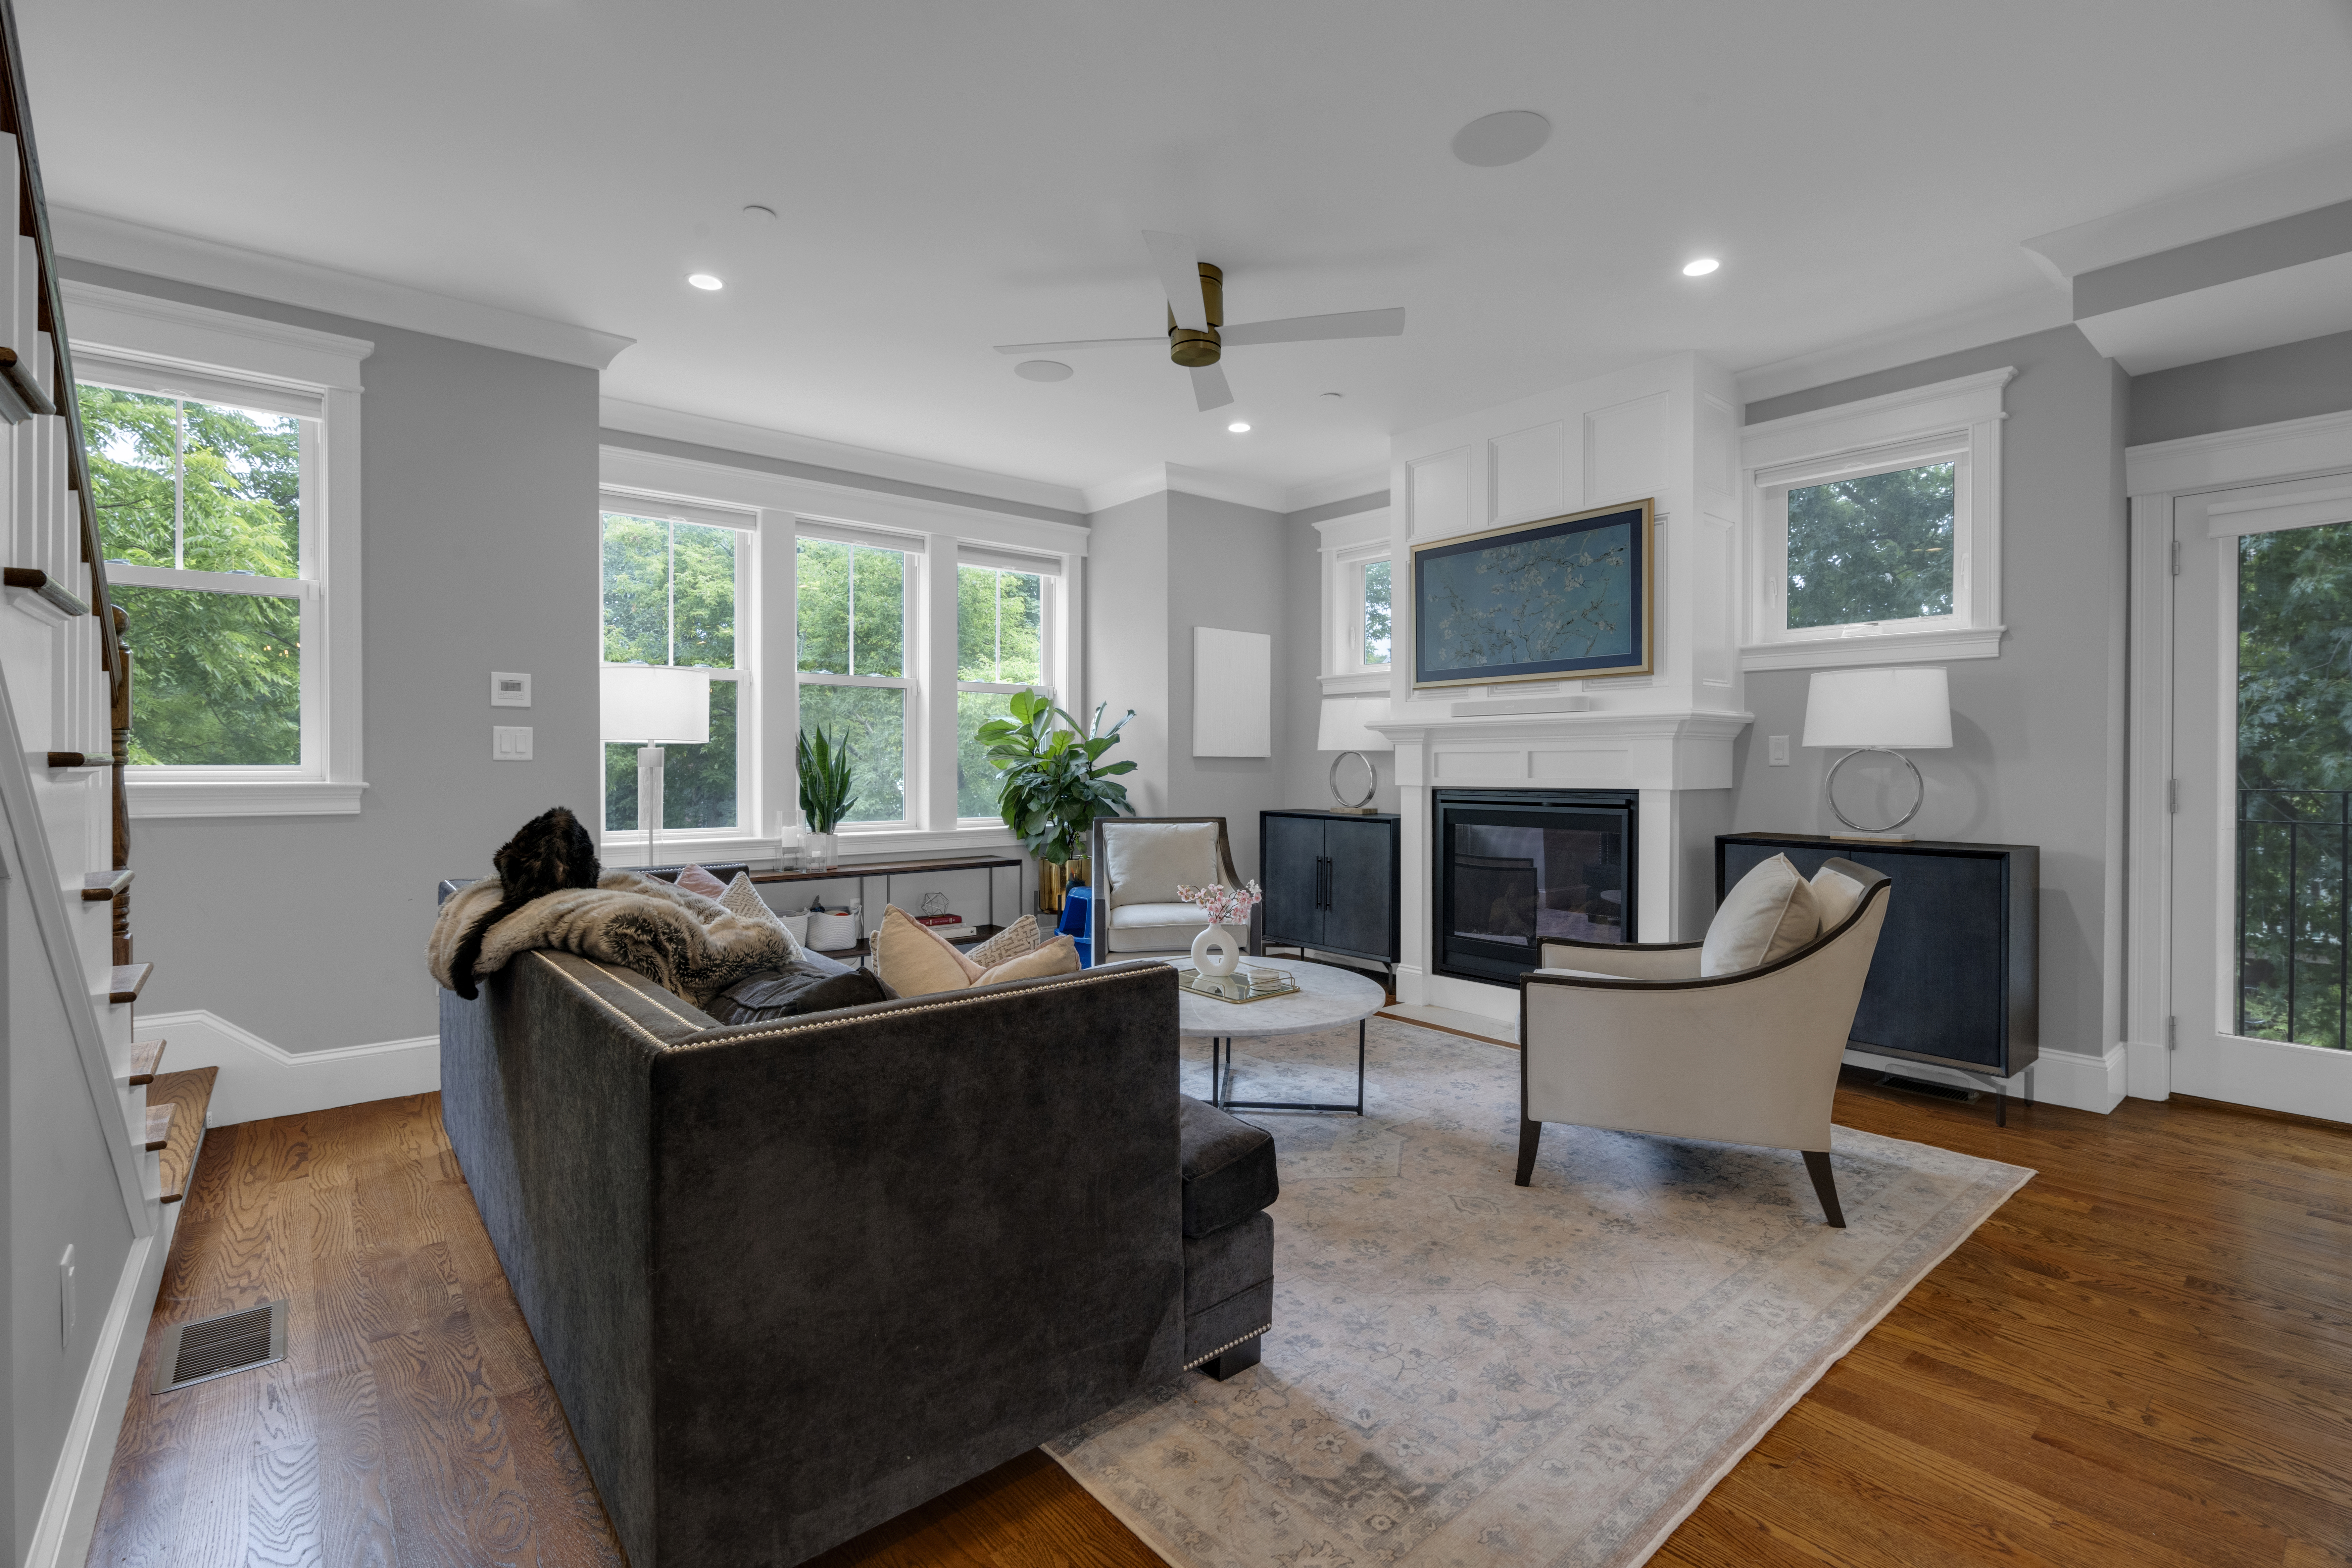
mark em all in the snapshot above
pixel 1221 1080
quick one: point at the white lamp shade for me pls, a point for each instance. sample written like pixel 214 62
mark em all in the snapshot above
pixel 654 705
pixel 1899 709
pixel 1346 725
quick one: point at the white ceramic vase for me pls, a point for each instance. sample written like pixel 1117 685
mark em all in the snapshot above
pixel 1217 950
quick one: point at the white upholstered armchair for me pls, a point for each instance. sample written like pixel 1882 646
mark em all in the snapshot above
pixel 1139 864
pixel 1633 1037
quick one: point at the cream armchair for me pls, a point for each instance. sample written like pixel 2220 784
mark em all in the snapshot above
pixel 1629 1037
pixel 1139 864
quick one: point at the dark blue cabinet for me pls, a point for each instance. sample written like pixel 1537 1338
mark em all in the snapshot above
pixel 1331 882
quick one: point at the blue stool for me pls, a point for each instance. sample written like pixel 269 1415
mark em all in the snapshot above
pixel 1077 903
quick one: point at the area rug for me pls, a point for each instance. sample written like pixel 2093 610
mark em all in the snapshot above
pixel 1465 1374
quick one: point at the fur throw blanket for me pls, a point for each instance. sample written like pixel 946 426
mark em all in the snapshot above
pixel 690 945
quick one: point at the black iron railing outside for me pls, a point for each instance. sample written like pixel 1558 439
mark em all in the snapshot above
pixel 2295 915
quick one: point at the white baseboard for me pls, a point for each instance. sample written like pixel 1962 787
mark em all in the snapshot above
pixel 2059 1077
pixel 61 1536
pixel 258 1080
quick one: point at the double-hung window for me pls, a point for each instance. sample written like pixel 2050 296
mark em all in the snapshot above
pixel 856 681
pixel 674 593
pixel 1875 530
pixel 1001 629
pixel 227 503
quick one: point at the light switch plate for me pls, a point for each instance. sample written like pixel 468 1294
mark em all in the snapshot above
pixel 510 743
pixel 1776 751
pixel 509 689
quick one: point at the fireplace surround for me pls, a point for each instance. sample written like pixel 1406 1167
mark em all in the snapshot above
pixel 1514 867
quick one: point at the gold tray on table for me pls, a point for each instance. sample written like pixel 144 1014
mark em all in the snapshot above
pixel 1245 984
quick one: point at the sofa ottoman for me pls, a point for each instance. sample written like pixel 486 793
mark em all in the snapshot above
pixel 1229 1182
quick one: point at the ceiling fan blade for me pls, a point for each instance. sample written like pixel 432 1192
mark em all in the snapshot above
pixel 1178 266
pixel 1315 329
pixel 1208 388
pixel 1075 343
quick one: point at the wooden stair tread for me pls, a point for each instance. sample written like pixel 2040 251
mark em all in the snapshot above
pixel 100 887
pixel 190 1095
pixel 130 979
pixel 159 1127
pixel 146 1056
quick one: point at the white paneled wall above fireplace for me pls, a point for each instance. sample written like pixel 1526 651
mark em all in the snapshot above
pixel 1668 430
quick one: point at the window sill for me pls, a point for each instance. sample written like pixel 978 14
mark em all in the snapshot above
pixel 1884 648
pixel 1359 680
pixel 685 846
pixel 975 838
pixel 241 797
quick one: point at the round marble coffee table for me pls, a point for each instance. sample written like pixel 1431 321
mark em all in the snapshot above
pixel 1326 996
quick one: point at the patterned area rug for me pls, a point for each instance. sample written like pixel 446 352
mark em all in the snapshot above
pixel 1464 1373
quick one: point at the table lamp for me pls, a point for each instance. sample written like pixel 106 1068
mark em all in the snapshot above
pixel 1878 710
pixel 1346 729
pixel 653 706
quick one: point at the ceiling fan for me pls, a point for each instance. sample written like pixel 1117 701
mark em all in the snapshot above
pixel 1197 334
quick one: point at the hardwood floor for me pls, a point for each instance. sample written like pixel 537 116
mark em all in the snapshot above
pixel 2144 1358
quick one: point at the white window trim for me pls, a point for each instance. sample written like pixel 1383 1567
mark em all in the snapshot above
pixel 1348 543
pixel 939 532
pixel 1049 636
pixel 213 351
pixel 739 842
pixel 1958 421
pixel 914 584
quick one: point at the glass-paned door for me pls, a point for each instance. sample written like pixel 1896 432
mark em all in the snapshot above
pixel 2262 828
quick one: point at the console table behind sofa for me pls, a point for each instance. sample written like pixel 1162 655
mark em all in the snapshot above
pixel 792 1279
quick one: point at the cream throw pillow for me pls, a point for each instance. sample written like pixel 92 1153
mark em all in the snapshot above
pixel 1150 860
pixel 1835 895
pixel 742 899
pixel 1020 937
pixel 913 960
pixel 1770 914
pixel 1059 956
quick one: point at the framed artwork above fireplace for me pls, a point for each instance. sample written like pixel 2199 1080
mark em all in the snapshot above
pixel 1567 596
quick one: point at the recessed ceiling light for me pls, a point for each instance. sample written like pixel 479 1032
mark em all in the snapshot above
pixel 1495 139
pixel 705 281
pixel 1701 267
pixel 1042 370
pixel 1239 426
pixel 758 212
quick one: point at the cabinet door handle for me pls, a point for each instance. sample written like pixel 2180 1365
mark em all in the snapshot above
pixel 1326 881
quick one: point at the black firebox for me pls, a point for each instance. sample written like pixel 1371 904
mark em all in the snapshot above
pixel 1514 868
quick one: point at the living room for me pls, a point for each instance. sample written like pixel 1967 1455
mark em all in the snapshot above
pixel 860 389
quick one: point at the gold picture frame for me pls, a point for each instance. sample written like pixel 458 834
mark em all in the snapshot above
pixel 1441 643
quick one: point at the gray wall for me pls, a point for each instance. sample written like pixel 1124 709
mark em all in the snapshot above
pixel 2037 754
pixel 2293 381
pixel 480 518
pixel 1227 568
pixel 1127 638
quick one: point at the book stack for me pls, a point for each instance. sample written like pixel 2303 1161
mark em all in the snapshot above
pixel 955 927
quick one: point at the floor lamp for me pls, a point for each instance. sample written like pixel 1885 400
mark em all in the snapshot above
pixel 649 706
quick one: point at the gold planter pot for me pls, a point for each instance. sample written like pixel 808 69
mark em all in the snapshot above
pixel 1055 880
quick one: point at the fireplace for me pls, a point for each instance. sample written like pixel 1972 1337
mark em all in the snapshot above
pixel 1514 868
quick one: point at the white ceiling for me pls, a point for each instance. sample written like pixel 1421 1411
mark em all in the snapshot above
pixel 955 175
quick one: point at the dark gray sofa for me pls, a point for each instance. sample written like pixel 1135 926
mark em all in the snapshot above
pixel 792 1278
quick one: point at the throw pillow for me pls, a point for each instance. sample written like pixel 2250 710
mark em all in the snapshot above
pixel 1150 860
pixel 1014 940
pixel 1059 956
pixel 695 879
pixel 914 960
pixel 742 899
pixel 1836 896
pixel 789 993
pixel 1768 915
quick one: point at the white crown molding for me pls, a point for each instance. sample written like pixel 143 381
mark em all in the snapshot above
pixel 2013 317
pixel 136 247
pixel 701 430
pixel 144 327
pixel 2265 196
pixel 1339 487
pixel 695 479
pixel 1235 488
pixel 1354 529
pixel 2257 454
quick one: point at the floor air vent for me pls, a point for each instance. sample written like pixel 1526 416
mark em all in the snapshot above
pixel 1935 1090
pixel 216 1347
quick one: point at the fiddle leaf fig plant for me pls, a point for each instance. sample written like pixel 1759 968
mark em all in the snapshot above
pixel 1055 783
pixel 827 794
